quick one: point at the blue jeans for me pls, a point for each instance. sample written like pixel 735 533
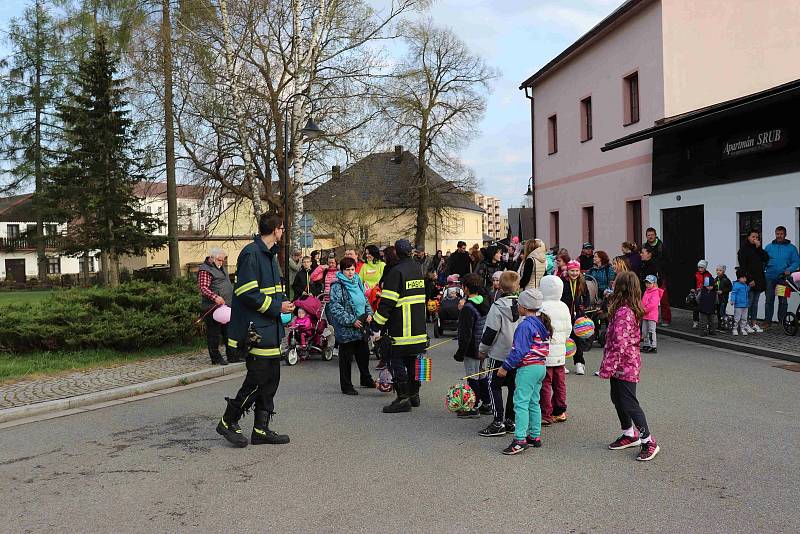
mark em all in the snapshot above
pixel 769 308
pixel 527 412
pixel 752 313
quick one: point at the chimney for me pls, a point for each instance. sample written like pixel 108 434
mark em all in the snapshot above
pixel 398 153
pixel 336 172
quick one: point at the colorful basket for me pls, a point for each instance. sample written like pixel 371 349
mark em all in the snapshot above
pixel 460 398
pixel 584 327
pixel 572 348
pixel 782 291
pixel 422 369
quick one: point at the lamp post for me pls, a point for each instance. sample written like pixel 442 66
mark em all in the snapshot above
pixel 310 131
pixel 532 193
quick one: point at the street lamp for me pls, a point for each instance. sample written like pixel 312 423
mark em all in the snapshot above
pixel 310 131
pixel 532 193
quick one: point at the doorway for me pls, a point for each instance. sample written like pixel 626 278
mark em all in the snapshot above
pixel 684 245
pixel 15 270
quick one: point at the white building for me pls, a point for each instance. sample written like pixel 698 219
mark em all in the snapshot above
pixel 494 223
pixel 17 243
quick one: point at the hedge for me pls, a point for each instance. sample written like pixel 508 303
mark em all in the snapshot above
pixel 135 315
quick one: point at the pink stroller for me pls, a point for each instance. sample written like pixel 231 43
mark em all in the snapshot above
pixel 316 340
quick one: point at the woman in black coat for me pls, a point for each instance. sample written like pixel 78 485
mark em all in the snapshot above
pixel 752 259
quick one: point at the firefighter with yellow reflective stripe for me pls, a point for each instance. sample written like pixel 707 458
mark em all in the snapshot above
pixel 258 301
pixel 401 315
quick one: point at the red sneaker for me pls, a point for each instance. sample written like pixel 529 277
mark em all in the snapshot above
pixel 649 451
pixel 624 442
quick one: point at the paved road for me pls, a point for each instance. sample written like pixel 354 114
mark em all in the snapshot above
pixel 728 425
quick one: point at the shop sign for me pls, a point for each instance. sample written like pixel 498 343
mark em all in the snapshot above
pixel 760 141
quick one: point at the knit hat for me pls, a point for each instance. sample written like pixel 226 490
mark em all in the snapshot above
pixel 703 264
pixel 721 267
pixel 531 299
pixel 651 278
pixel 403 247
pixel 573 264
pixel 496 275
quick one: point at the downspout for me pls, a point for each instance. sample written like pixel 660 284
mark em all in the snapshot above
pixel 529 96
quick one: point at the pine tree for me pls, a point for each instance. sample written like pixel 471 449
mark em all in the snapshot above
pixel 31 85
pixel 93 184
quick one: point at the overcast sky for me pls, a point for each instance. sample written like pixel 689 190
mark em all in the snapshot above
pixel 515 36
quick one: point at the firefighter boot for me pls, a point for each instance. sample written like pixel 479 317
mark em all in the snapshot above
pixel 402 403
pixel 414 393
pixel 262 434
pixel 228 426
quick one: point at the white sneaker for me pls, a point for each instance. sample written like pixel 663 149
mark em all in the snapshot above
pixel 736 332
pixel 756 328
pixel 566 371
pixel 744 332
pixel 695 324
pixel 580 369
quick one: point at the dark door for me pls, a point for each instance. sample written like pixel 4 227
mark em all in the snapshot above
pixel 684 246
pixel 15 270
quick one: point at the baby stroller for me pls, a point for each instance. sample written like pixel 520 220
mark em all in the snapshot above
pixel 319 338
pixel 791 323
pixel 447 314
pixel 597 312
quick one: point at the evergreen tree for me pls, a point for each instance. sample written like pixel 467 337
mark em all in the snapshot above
pixel 93 184
pixel 30 87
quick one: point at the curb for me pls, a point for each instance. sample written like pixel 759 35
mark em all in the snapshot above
pixel 70 403
pixel 732 345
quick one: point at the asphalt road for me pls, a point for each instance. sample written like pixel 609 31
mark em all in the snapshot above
pixel 728 425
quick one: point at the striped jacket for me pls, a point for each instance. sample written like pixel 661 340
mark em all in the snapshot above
pixel 531 344
pixel 257 298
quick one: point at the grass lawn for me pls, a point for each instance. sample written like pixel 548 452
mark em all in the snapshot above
pixel 23 297
pixel 19 366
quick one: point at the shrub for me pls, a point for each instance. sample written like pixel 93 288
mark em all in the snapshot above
pixel 135 315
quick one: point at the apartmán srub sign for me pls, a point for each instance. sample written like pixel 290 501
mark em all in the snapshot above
pixel 760 141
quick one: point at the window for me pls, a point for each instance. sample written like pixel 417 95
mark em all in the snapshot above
pixel 188 212
pixel 159 210
pixel 633 210
pixel 631 97
pixel 50 229
pixel 54 265
pixel 83 259
pixel 586 118
pixel 12 231
pixel 149 209
pixel 555 238
pixel 588 224
pixel 30 229
pixel 552 135
pixel 749 221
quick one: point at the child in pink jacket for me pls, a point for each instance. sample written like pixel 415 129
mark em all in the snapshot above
pixel 650 300
pixel 621 364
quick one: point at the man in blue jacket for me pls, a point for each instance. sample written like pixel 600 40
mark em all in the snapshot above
pixel 259 298
pixel 783 260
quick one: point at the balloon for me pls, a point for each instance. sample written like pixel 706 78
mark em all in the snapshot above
pixel 460 398
pixel 584 327
pixel 286 318
pixel 222 314
pixel 571 348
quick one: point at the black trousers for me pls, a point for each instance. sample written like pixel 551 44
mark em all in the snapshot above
pixel 260 384
pixel 496 393
pixel 359 351
pixel 215 331
pixel 578 358
pixel 402 368
pixel 623 395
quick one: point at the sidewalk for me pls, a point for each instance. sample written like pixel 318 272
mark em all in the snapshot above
pixel 39 395
pixel 772 343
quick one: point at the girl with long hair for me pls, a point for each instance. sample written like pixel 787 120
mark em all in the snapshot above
pixel 576 297
pixel 621 365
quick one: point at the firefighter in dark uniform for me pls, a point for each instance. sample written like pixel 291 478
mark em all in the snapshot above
pixel 401 315
pixel 256 331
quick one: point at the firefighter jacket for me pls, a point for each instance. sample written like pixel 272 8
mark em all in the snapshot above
pixel 402 308
pixel 257 297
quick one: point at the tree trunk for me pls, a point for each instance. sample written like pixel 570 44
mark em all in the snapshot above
pixel 85 269
pixel 105 267
pixel 41 252
pixel 423 191
pixel 255 190
pixel 169 145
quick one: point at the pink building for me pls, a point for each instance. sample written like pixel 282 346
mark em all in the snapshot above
pixel 648 60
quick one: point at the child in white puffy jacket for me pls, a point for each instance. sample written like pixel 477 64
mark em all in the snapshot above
pixel 553 397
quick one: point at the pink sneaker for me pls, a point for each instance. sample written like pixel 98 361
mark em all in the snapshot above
pixel 625 442
pixel 649 451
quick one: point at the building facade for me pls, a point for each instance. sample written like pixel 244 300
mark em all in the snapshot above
pixel 495 225
pixel 648 60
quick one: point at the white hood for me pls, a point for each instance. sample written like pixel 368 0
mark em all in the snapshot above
pixel 552 288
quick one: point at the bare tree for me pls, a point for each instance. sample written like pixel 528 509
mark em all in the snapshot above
pixel 435 101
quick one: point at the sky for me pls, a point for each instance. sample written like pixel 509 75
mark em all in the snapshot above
pixel 515 36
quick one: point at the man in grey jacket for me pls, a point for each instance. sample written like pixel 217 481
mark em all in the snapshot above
pixel 496 342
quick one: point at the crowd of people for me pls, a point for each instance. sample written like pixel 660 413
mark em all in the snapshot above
pixel 516 321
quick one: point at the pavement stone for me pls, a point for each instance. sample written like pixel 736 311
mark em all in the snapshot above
pixel 36 390
pixel 772 342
